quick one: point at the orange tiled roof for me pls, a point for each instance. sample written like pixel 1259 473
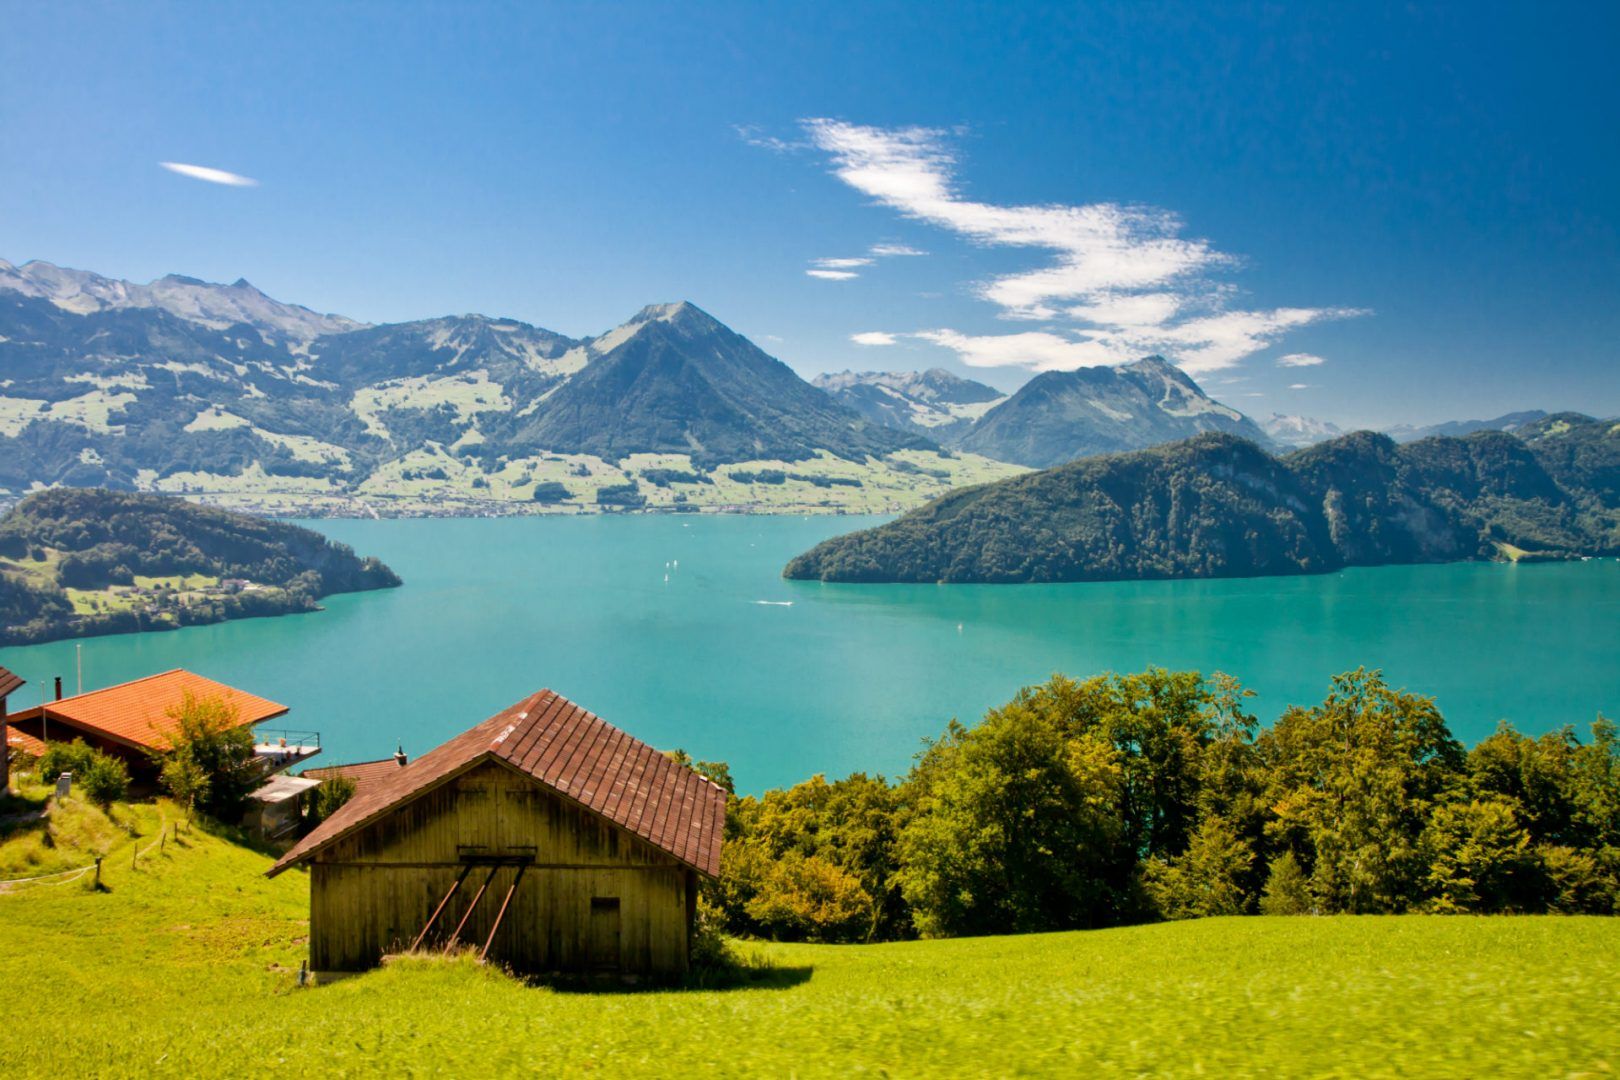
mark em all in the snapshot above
pixel 23 742
pixel 137 712
pixel 572 752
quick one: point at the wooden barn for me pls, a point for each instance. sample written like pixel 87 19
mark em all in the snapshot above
pixel 9 684
pixel 544 837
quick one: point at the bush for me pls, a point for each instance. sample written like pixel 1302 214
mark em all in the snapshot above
pixel 329 797
pixel 102 778
pixel 105 781
pixel 74 757
pixel 211 766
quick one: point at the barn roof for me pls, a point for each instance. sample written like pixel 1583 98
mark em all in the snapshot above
pixel 9 681
pixel 361 772
pixel 574 753
pixel 136 713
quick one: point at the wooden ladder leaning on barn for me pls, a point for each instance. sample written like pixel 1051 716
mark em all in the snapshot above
pixel 468 863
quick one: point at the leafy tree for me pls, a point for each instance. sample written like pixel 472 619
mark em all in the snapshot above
pixel 813 899
pixel 1480 859
pixel 1015 828
pixel 210 765
pixel 1353 782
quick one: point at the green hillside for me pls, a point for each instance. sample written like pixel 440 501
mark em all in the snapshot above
pixel 1216 505
pixel 186 966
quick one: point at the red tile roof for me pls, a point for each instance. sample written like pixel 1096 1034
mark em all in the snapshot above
pixel 574 753
pixel 9 681
pixel 137 713
pixel 24 743
pixel 361 772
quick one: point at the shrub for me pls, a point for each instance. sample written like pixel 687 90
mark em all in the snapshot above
pixel 102 778
pixel 329 797
pixel 74 757
pixel 105 780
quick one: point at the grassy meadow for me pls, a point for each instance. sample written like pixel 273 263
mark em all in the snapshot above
pixel 186 965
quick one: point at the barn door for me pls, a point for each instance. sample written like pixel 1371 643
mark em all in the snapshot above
pixel 603 944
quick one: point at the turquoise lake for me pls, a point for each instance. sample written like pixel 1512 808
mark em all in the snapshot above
pixel 681 630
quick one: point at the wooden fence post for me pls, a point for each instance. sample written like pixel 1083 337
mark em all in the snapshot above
pixel 98 871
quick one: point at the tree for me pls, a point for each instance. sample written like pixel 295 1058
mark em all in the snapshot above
pixel 210 764
pixel 806 897
pixel 1288 889
pixel 1480 859
pixel 1208 879
pixel 1015 828
pixel 1352 784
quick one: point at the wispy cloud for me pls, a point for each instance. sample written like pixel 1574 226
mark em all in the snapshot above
pixel 212 176
pixel 1299 359
pixel 1299 386
pixel 875 252
pixel 873 337
pixel 832 275
pixel 1123 280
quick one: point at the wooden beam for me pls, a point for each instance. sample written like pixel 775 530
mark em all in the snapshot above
pixel 479 895
pixel 499 915
pixel 465 870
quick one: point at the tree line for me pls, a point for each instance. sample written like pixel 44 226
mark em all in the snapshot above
pixel 1130 798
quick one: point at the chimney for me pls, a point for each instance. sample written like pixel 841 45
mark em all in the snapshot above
pixel 59 688
pixel 399 755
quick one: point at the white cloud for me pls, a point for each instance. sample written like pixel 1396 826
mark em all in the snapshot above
pixel 841 264
pixel 832 275
pixel 1036 349
pixel 1123 281
pixel 873 337
pixel 213 176
pixel 1299 386
pixel 1299 359
pixel 885 251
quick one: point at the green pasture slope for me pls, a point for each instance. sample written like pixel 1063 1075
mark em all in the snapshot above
pixel 186 967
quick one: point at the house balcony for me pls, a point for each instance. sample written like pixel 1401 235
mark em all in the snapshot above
pixel 278 751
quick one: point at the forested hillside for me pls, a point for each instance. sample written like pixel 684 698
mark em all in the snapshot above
pixel 1220 506
pixel 78 561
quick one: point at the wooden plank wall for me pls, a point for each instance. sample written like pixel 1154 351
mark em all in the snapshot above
pixel 372 892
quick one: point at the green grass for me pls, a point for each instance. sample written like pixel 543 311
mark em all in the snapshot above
pixel 186 966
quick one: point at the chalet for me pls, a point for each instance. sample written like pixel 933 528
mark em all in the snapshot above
pixel 544 837
pixel 9 684
pixel 134 720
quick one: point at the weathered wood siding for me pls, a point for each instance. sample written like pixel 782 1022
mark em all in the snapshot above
pixel 371 892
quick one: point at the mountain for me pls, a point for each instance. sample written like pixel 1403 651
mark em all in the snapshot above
pixel 1453 428
pixel 676 381
pixel 1219 506
pixel 152 562
pixel 217 307
pixel 1298 431
pixel 933 403
pixel 1059 416
pixel 221 393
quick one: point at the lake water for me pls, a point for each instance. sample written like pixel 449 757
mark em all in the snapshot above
pixel 680 630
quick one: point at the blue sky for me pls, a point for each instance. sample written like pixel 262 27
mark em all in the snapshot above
pixel 1417 204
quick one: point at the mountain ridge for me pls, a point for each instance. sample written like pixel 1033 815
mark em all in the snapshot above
pixel 1217 505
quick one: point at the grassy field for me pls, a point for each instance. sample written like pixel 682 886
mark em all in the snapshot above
pixel 186 966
